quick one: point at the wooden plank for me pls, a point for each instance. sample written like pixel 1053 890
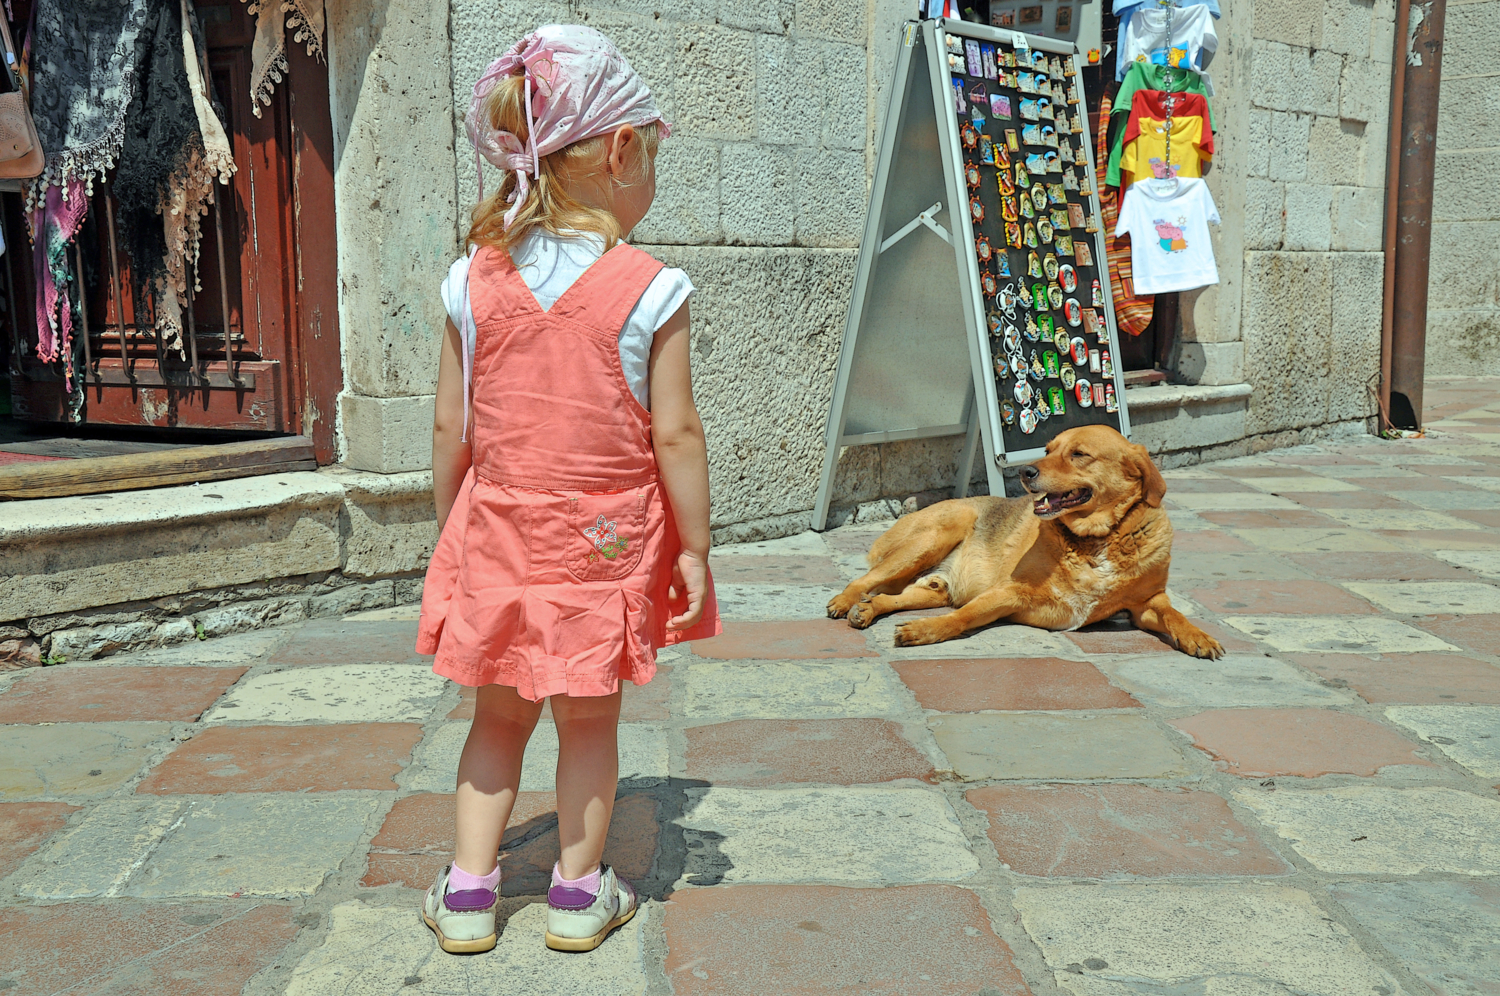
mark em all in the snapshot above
pixel 153 470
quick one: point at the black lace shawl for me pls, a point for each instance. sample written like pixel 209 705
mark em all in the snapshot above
pixel 161 134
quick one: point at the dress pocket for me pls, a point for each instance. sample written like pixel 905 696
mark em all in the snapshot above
pixel 606 534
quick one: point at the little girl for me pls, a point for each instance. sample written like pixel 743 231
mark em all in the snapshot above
pixel 572 494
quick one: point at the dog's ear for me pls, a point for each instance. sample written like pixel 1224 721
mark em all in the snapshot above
pixel 1153 485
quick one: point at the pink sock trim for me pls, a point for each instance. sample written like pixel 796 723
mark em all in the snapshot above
pixel 459 880
pixel 589 883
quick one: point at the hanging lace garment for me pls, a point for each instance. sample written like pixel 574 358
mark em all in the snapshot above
pixel 268 52
pixel 1132 312
pixel 82 75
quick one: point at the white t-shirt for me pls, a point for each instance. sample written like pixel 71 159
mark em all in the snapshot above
pixel 1192 44
pixel 549 264
pixel 1169 246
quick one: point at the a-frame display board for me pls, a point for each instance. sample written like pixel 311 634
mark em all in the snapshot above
pixel 981 301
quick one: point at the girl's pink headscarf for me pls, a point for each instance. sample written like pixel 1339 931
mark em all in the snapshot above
pixel 578 85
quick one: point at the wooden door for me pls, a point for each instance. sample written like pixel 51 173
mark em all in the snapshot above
pixel 262 342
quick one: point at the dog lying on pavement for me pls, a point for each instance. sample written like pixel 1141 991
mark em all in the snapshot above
pixel 1091 541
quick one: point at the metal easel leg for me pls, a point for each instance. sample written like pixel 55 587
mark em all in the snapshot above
pixel 966 455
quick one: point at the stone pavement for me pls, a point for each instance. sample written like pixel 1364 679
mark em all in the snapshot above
pixel 811 809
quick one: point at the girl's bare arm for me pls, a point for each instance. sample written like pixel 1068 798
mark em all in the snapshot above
pixel 450 456
pixel 681 458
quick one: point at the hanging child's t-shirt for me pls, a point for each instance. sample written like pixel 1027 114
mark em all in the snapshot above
pixel 1168 229
pixel 1191 44
pixel 1144 153
pixel 1146 76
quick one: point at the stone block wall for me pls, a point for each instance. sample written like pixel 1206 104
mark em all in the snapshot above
pixel 1302 104
pixel 1463 307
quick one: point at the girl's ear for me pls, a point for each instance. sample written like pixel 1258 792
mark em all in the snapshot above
pixel 622 145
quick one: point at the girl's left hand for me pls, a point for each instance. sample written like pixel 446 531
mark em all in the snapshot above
pixel 690 579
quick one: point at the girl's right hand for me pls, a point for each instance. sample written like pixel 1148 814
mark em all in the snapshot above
pixel 690 579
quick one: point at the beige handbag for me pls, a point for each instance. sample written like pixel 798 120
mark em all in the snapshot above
pixel 20 150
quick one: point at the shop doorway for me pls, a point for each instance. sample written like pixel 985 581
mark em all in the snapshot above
pixel 261 355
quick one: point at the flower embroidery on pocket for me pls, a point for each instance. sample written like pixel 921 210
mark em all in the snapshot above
pixel 606 543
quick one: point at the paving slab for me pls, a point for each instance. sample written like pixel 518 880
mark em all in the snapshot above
pixel 804 544
pixel 1417 678
pixel 1483 562
pixel 1115 831
pixel 1408 566
pixel 381 950
pixel 1415 598
pixel 1457 499
pixel 856 836
pixel 329 758
pixel 1469 734
pixel 1215 565
pixel 1479 633
pixel 1016 683
pixel 240 648
pixel 1376 830
pixel 996 640
pixel 1209 541
pixel 805 639
pixel 1279 597
pixel 341 693
pixel 1318 540
pixel 1443 932
pixel 74 760
pixel 774 602
pixel 760 752
pixel 789 690
pixel 809 569
pixel 1300 483
pixel 96 855
pixel 1229 501
pixel 1258 743
pixel 121 694
pixel 1477 538
pixel 1177 680
pixel 1337 634
pixel 352 641
pixel 1485 481
pixel 642 752
pixel 416 840
pixel 1344 499
pixel 1237 939
pixel 1292 518
pixel 172 949
pixel 1397 519
pixel 981 746
pixel 26 826
pixel 752 940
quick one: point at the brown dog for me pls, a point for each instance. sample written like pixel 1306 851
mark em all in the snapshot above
pixel 1092 541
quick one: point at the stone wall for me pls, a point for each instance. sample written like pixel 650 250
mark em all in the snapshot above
pixel 1463 308
pixel 1301 107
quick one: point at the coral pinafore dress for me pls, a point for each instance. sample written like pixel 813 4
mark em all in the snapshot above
pixel 553 569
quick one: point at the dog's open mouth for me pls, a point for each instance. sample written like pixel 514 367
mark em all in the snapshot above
pixel 1048 505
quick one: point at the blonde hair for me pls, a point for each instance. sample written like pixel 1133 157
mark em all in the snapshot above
pixel 548 203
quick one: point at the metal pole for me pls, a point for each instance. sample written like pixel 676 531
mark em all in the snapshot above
pixel 83 311
pixel 1392 185
pixel 224 295
pixel 114 269
pixel 1419 119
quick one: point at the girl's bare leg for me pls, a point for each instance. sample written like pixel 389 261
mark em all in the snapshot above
pixel 489 773
pixel 588 766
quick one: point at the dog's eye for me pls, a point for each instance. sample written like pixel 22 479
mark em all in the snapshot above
pixel 1080 455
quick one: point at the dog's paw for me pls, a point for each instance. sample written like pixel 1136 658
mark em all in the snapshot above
pixel 1199 644
pixel 840 604
pixel 861 615
pixel 920 632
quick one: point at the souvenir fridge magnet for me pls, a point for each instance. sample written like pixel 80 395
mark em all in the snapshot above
pixel 969 135
pixel 1036 164
pixel 1007 300
pixel 1084 392
pixel 1034 268
pixel 1018 367
pixel 1007 413
pixel 1075 215
pixel 1050 267
pixel 972 57
pixel 1057 195
pixel 1008 209
pixel 1038 296
pixel 1012 339
pixel 987 281
pixel 982 249
pixel 976 116
pixel 1060 340
pixel 994 323
pixel 1055 398
pixel 1094 365
pixel 1023 178
pixel 1100 396
pixel 1030 236
pixel 1027 418
pixel 1097 300
pixel 1073 312
pixel 1044 109
pixel 1038 370
pixel 1002 368
pixel 1031 134
pixel 1002 155
pixel 1029 111
pixel 999 105
pixel 976 210
pixel 1079 350
pixel 1068 277
pixel 1106 364
pixel 1013 234
pixel 1083 253
pixel 987 60
pixel 1050 363
pixel 1059 218
pixel 1026 83
pixel 1005 182
pixel 979 96
pixel 971 175
pixel 1067 376
pixel 1044 231
pixel 958 93
pixel 1093 223
pixel 1055 296
pixel 986 151
pixel 1032 331
pixel 1027 211
pixel 1011 142
pixel 1043 409
pixel 1004 265
pixel 1110 404
pixel 1070 182
pixel 1039 197
pixel 1044 327
pixel 1052 163
pixel 1022 391
pixel 1065 245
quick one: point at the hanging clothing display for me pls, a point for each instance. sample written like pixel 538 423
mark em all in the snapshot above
pixel 1146 150
pixel 1132 313
pixel 1146 76
pixel 268 64
pixel 1182 37
pixel 1167 222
